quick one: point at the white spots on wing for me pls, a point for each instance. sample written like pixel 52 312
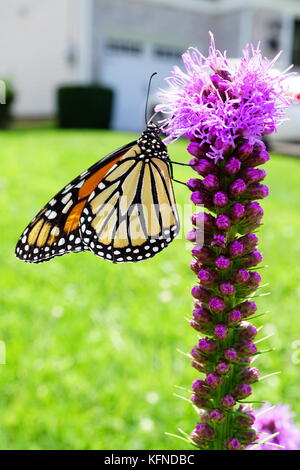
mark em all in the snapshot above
pixel 24 239
pixel 101 185
pixel 79 184
pixel 52 202
pixel 83 227
pixel 62 241
pixel 67 188
pixel 77 240
pixel 84 173
pixel 51 214
pixel 67 207
pixel 66 198
pixel 155 248
pixel 55 231
pixel 46 248
pixel 71 237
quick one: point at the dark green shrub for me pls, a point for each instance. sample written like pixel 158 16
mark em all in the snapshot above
pixel 5 108
pixel 85 107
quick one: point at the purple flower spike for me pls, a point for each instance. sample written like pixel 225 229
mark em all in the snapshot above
pixel 278 419
pixel 224 112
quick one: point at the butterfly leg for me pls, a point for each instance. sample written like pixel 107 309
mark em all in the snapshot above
pixel 179 163
pixel 172 175
pixel 177 181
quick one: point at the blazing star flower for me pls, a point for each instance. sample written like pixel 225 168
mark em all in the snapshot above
pixel 224 112
pixel 214 109
pixel 278 419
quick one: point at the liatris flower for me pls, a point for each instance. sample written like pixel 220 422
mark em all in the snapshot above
pixel 224 113
pixel 278 419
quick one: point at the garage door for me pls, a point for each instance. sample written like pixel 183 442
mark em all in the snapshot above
pixel 126 68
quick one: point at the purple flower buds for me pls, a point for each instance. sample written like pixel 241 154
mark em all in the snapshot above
pixel 211 182
pixel 220 199
pixel 232 167
pixel 237 188
pixel 249 375
pixel 216 304
pixel 223 367
pixel 228 402
pixel 231 354
pixel 226 288
pixel 221 331
pixel 242 391
pixel 222 262
pixel 216 415
pixel 233 444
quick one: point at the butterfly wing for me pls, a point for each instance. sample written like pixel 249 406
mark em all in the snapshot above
pixel 122 208
pixel 55 229
pixel 132 215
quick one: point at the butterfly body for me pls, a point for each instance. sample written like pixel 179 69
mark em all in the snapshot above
pixel 122 208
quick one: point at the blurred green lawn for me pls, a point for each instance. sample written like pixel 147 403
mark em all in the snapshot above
pixel 92 356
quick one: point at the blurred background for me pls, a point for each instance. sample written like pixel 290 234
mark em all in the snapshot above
pixel 92 348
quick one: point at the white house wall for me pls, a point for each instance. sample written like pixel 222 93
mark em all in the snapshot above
pixel 35 49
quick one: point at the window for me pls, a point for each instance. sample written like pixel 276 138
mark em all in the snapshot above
pixel 296 43
pixel 123 46
pixel 166 52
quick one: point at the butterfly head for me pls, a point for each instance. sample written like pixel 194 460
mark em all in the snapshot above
pixel 152 127
pixel 151 143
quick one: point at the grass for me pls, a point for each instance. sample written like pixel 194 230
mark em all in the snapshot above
pixel 92 356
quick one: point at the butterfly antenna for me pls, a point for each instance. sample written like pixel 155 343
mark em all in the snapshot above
pixel 147 99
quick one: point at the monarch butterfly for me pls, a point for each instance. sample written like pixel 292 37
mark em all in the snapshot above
pixel 122 208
